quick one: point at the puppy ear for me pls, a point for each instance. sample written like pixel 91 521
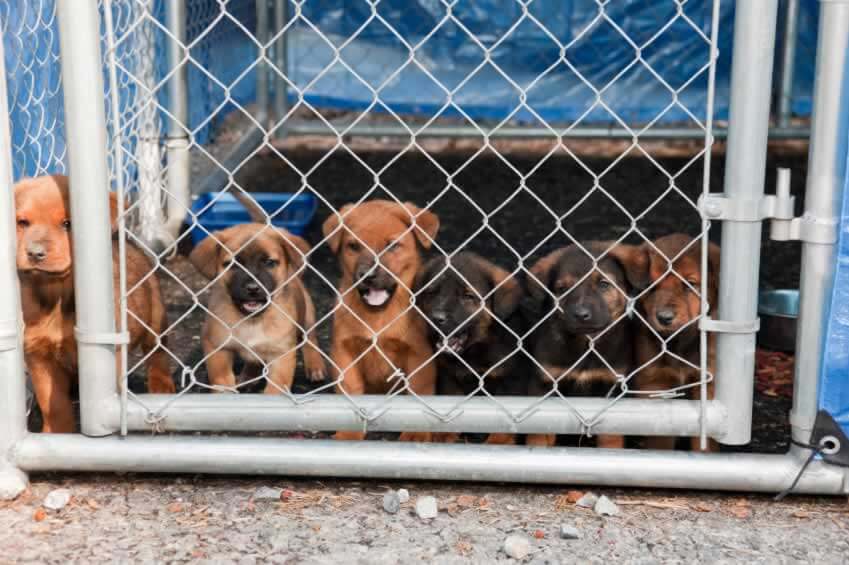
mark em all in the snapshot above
pixel 713 275
pixel 114 211
pixel 427 224
pixel 541 276
pixel 330 227
pixel 635 262
pixel 508 291
pixel 206 254
pixel 427 272
pixel 294 247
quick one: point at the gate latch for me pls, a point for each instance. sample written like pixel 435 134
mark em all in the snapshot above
pixel 778 208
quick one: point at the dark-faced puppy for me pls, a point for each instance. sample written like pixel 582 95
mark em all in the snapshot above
pixel 472 310
pixel 259 307
pixel 45 269
pixel 671 305
pixel 589 303
pixel 377 244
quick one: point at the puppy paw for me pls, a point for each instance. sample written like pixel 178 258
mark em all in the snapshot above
pixel 446 437
pixel 421 437
pixel 349 436
pixel 501 439
pixel 541 440
pixel 316 374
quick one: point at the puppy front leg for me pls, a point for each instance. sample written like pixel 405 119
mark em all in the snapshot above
pixel 314 364
pixel 350 381
pixel 219 366
pixel 423 383
pixel 281 373
pixel 52 386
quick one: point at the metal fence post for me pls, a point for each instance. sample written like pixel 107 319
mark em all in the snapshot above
pixel 751 77
pixel 281 103
pixel 826 171
pixel 179 198
pixel 85 126
pixel 262 94
pixel 788 59
pixel 13 419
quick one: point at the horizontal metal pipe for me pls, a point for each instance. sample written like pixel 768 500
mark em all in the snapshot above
pixel 252 413
pixel 396 460
pixel 585 132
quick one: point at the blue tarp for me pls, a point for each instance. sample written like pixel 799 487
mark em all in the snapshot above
pixel 483 57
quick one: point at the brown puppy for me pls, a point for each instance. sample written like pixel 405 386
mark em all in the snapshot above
pixel 590 306
pixel 377 247
pixel 259 307
pixel 476 350
pixel 672 309
pixel 45 268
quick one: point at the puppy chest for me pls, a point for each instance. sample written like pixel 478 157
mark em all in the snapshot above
pixel 259 340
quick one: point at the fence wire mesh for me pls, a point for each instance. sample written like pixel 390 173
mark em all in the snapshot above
pixel 548 314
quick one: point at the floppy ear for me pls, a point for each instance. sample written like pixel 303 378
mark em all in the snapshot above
pixel 635 262
pixel 330 224
pixel 294 247
pixel 206 254
pixel 427 224
pixel 426 273
pixel 113 210
pixel 509 292
pixel 713 275
pixel 542 274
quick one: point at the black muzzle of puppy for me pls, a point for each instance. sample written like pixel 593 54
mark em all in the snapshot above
pixel 584 310
pixel 375 284
pixel 251 284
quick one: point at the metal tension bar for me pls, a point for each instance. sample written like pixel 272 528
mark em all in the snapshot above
pixel 778 208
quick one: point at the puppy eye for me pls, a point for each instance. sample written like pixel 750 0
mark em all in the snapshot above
pixel 604 285
pixel 271 263
pixel 354 246
pixel 470 296
pixel 66 224
pixel 23 223
pixel 226 264
pixel 393 246
pixel 694 282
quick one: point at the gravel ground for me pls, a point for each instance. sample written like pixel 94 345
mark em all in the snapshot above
pixel 215 520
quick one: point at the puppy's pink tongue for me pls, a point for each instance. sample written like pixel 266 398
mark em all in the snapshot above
pixel 375 297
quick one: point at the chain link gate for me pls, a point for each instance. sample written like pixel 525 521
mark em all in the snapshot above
pixel 138 141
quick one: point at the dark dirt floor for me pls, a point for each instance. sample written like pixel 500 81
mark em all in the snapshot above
pixel 488 211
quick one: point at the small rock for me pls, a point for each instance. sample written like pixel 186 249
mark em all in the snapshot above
pixel 569 532
pixel 587 501
pixel 391 502
pixel 267 493
pixel 426 507
pixel 403 495
pixel 517 547
pixel 57 499
pixel 605 507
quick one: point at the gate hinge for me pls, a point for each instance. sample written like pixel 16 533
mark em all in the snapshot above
pixel 778 208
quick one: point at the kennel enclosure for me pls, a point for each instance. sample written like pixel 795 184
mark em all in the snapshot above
pixel 136 139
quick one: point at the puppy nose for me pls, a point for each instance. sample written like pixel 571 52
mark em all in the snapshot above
pixel 665 317
pixel 252 288
pixel 439 318
pixel 36 252
pixel 582 313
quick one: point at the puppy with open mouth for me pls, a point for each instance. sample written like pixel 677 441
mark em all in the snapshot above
pixel 473 316
pixel 259 307
pixel 589 300
pixel 377 244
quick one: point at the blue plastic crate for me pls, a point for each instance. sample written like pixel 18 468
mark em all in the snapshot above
pixel 227 211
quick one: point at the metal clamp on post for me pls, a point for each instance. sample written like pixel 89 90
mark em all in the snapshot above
pixel 94 338
pixel 723 326
pixel 778 208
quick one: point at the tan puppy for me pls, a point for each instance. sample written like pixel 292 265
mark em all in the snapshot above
pixel 45 269
pixel 259 306
pixel 376 300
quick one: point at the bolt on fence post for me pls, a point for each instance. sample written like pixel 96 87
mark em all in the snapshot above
pixel 788 56
pixel 745 168
pixel 13 410
pixel 281 103
pixel 826 174
pixel 85 127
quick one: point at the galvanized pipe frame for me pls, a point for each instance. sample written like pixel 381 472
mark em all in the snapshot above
pixel 179 454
